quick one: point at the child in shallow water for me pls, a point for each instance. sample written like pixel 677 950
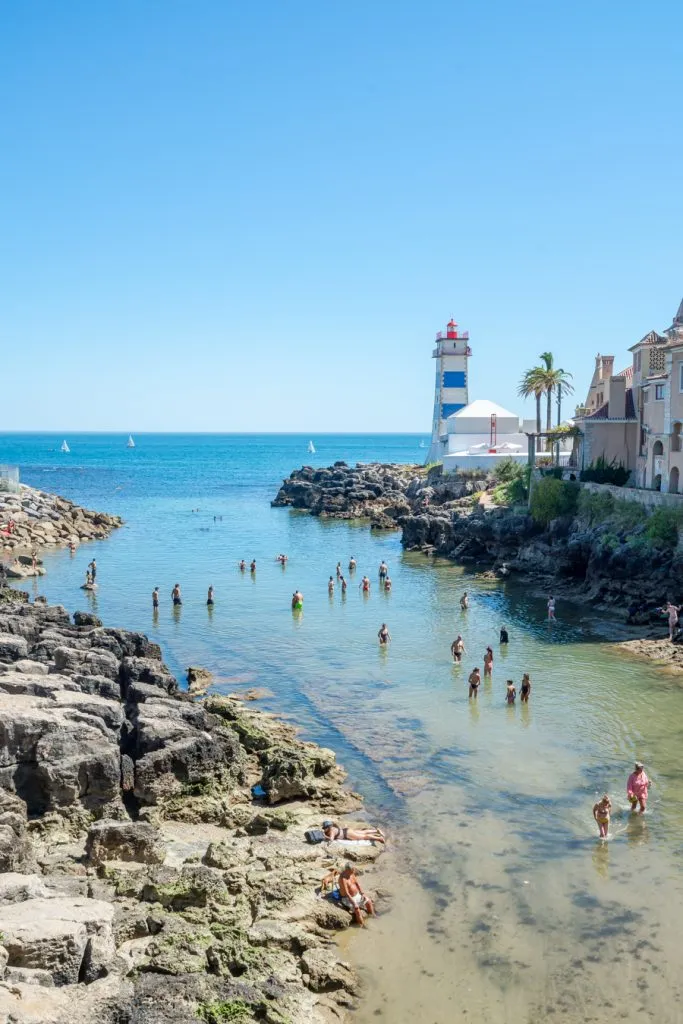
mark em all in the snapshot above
pixel 601 813
pixel 511 694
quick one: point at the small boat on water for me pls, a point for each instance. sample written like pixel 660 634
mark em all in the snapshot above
pixel 311 448
pixel 422 444
pixel 131 442
pixel 64 447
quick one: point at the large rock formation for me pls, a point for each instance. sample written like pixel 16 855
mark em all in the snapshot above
pixel 141 881
pixel 32 519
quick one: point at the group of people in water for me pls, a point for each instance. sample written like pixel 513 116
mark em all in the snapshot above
pixel 364 586
pixel 637 792
pixel 474 679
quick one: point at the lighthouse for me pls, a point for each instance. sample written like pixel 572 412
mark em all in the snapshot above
pixel 450 388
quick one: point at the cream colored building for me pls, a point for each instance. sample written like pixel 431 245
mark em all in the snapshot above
pixel 607 419
pixel 636 416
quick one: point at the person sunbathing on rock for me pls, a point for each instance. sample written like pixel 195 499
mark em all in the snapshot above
pixel 334 831
pixel 352 895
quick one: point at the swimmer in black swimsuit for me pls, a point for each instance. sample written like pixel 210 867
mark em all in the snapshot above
pixel 474 681
pixel 525 688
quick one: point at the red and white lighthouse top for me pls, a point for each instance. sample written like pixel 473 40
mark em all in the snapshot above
pixel 452 332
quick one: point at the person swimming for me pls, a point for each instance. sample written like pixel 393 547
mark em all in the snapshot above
pixel 511 694
pixel 601 813
pixel 488 662
pixel 474 681
pixel 525 691
pixel 384 635
pixel 458 649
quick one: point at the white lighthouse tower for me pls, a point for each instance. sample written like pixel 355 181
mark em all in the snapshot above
pixel 450 389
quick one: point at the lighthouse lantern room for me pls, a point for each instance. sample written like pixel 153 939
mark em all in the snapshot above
pixel 450 388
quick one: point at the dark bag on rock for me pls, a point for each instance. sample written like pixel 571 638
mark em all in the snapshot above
pixel 315 835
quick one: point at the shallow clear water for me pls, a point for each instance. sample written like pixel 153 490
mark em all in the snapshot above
pixel 509 909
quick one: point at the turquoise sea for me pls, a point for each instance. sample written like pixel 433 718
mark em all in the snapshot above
pixel 508 908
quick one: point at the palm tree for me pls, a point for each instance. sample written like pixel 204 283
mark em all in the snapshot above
pixel 553 380
pixel 531 384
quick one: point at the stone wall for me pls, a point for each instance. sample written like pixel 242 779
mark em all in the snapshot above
pixel 650 499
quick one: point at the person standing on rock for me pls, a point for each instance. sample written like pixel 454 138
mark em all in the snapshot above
pixel 93 569
pixel 458 649
pixel 672 611
pixel 474 681
pixel 176 595
pixel 155 599
pixel 551 609
pixel 464 602
pixel 384 635
pixel 352 895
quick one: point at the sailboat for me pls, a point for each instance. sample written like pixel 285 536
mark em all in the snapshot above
pixel 131 442
pixel 311 448
pixel 64 447
pixel 422 444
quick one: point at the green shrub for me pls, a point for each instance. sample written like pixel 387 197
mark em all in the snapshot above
pixel 628 514
pixel 662 527
pixel 551 498
pixel 603 472
pixel 596 508
pixel 507 470
pixel 513 488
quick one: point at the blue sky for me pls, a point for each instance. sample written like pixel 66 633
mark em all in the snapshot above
pixel 236 216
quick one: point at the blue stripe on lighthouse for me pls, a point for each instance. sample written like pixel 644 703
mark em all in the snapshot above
pixel 453 379
pixel 447 409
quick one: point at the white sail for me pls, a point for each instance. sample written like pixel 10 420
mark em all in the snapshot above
pixel 64 447
pixel 311 448
pixel 131 442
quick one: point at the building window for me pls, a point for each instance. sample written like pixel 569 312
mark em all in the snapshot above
pixel 659 392
pixel 680 377
pixel 637 362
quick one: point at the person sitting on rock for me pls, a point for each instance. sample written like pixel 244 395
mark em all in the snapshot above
pixel 352 895
pixel 334 831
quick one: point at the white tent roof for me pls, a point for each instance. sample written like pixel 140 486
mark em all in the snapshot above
pixel 482 408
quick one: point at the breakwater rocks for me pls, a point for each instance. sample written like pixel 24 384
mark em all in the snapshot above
pixel 143 877
pixel 382 493
pixel 32 519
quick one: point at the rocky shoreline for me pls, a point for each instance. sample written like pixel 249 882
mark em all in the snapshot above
pixel 153 865
pixel 32 520
pixel 455 517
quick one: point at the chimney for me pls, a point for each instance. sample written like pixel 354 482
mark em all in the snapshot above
pixel 617 398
